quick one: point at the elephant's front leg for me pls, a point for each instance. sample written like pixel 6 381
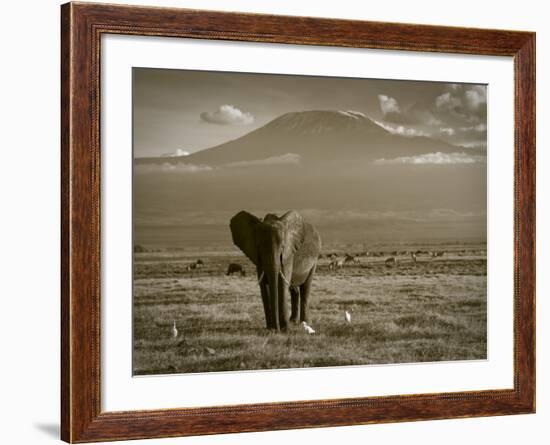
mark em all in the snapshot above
pixel 305 290
pixel 294 303
pixel 267 308
pixel 265 299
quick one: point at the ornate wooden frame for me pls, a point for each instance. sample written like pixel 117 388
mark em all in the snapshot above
pixel 82 25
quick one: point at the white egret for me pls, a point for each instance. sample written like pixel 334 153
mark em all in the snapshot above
pixel 308 328
pixel 174 331
pixel 348 317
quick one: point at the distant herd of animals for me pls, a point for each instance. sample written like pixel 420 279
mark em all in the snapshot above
pixel 196 265
pixel 335 261
pixel 285 251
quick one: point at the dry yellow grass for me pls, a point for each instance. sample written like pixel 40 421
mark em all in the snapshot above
pixel 429 311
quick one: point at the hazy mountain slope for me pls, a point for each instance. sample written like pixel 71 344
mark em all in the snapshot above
pixel 331 178
pixel 316 136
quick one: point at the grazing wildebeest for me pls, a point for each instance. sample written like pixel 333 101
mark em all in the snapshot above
pixel 235 268
pixel 196 265
pixel 351 259
pixel 390 260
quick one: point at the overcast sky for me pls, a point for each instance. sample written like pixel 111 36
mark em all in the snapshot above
pixel 177 111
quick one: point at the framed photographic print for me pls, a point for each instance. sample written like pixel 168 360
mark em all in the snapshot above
pixel 279 222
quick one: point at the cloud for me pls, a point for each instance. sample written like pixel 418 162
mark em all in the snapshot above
pixel 353 114
pixel 227 115
pixel 461 103
pixel 476 96
pixel 453 214
pixel 388 104
pixel 401 129
pixel 179 152
pixel 442 115
pixel 465 101
pixel 392 111
pixel 481 145
pixel 288 158
pixel 446 101
pixel 430 119
pixel 182 168
pixel 434 158
pixel 480 128
pixel 168 167
pixel 471 136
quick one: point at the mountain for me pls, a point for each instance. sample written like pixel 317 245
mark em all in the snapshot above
pixel 320 163
pixel 316 137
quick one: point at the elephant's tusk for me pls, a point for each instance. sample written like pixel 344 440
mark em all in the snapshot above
pixel 284 278
pixel 261 278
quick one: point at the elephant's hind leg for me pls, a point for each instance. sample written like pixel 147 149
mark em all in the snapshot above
pixel 295 303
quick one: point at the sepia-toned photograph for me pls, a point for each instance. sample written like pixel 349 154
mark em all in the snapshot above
pixel 289 221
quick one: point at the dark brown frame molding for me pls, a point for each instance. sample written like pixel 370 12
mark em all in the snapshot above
pixel 82 25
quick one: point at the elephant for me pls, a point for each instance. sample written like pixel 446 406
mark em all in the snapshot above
pixel 235 268
pixel 285 251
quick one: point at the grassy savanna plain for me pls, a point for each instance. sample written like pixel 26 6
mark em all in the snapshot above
pixel 431 310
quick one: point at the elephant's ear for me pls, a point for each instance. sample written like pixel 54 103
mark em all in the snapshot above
pixel 295 231
pixel 243 226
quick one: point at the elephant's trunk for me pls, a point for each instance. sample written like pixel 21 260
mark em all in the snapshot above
pixel 283 289
pixel 285 279
pixel 272 274
pixel 273 279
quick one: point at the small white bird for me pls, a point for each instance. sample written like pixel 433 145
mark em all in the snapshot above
pixel 174 331
pixel 348 317
pixel 308 328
